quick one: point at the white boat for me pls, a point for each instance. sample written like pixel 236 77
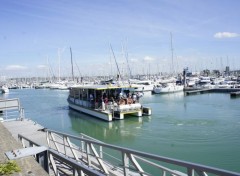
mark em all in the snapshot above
pixel 105 102
pixel 204 80
pixel 192 81
pixel 58 85
pixel 217 81
pixel 141 86
pixel 167 88
pixel 4 89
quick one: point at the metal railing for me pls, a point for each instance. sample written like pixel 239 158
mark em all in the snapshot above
pixel 10 109
pixel 95 154
pixel 58 163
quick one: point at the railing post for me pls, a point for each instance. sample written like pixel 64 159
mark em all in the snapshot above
pixel 164 173
pixel 190 172
pixel 22 115
pixel 82 144
pixel 88 154
pixel 22 141
pixel 64 145
pixel 125 160
pixel 100 152
pixel 47 136
pixel 54 167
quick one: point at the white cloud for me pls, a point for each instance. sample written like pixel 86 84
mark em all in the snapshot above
pixel 15 67
pixel 41 66
pixel 148 58
pixel 226 35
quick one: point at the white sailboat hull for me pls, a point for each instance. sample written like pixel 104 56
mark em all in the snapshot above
pixel 168 89
pixel 4 89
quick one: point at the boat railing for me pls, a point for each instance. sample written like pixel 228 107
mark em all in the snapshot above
pixel 110 106
pixel 109 159
pixel 10 109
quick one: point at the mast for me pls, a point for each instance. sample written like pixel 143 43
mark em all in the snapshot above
pixel 172 53
pixel 111 74
pixel 72 63
pixel 59 68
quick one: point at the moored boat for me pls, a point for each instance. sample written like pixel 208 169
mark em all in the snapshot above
pixel 106 102
pixel 167 88
pixel 4 89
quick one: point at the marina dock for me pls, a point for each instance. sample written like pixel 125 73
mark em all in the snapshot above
pixel 235 94
pixel 199 91
pixel 235 91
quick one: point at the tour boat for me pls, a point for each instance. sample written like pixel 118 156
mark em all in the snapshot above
pixel 107 102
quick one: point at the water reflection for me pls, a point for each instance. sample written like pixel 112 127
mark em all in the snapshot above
pixel 111 132
pixel 4 95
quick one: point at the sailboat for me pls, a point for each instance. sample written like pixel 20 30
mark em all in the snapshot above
pixel 170 87
pixel 4 89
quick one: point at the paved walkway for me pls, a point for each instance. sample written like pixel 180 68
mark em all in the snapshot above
pixel 28 165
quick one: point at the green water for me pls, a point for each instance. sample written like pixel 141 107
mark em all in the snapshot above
pixel 201 128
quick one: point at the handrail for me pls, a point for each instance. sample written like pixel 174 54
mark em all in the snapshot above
pixel 11 110
pixel 86 170
pixel 53 155
pixel 131 155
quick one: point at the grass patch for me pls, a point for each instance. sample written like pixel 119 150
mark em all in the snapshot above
pixel 9 168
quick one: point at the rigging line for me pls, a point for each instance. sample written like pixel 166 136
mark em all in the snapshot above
pixel 126 57
pixel 115 61
pixel 78 69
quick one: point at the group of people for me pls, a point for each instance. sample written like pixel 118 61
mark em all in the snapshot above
pixel 130 99
pixel 121 99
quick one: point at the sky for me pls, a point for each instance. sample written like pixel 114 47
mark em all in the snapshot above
pixel 149 36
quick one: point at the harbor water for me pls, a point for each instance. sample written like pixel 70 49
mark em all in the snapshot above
pixel 202 128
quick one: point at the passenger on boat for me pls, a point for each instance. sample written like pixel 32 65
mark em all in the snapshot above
pixel 120 95
pixel 121 102
pixel 129 100
pixel 91 100
pixel 112 100
pixel 105 100
pixel 134 96
pixel 139 95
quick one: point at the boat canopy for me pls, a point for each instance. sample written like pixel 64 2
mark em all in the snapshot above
pixel 104 87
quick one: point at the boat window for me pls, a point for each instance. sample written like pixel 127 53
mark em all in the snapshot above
pixel 84 94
